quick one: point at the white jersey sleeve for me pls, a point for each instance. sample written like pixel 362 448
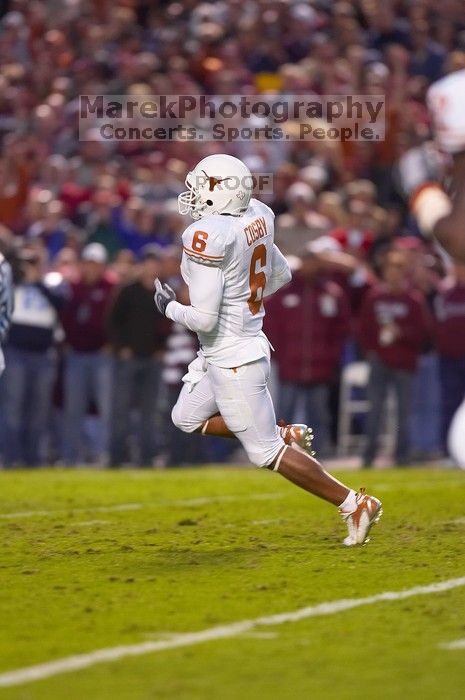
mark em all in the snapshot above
pixel 206 291
pixel 280 272
pixel 207 245
pixel 204 253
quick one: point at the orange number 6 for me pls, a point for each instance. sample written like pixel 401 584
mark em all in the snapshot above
pixel 199 242
pixel 257 280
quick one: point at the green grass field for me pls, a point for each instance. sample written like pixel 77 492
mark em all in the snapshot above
pixel 93 560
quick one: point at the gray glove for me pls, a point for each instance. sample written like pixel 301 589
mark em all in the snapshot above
pixel 163 295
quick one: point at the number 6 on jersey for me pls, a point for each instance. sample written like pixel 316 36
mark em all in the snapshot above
pixel 257 279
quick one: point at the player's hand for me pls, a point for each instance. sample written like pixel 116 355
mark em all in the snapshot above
pixel 163 295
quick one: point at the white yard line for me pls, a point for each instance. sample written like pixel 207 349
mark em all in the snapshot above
pixel 183 502
pixel 80 661
pixel 417 484
pixel 457 521
pixel 458 644
pixel 223 499
pixel 70 511
pixel 246 523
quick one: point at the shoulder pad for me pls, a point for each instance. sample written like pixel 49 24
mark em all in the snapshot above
pixel 262 207
pixel 205 242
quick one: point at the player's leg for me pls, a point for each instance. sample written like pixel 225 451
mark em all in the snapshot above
pixel 307 472
pixel 216 426
pixel 247 410
pixel 358 510
pixel 196 411
pixel 245 404
pixel 292 433
pixel 195 405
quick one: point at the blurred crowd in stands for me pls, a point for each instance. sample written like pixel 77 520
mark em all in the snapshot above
pixel 91 369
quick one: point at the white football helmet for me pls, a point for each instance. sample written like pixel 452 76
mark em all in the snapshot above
pixel 446 101
pixel 219 184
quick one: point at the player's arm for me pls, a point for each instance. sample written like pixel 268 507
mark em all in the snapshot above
pixel 438 214
pixel 450 229
pixel 280 273
pixel 205 291
pixel 204 254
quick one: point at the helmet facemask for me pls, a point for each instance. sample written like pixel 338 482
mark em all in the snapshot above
pixel 207 195
pixel 189 201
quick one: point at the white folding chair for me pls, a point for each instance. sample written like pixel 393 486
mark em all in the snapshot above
pixel 355 376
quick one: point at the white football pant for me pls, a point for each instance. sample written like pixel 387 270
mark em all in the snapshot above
pixel 241 396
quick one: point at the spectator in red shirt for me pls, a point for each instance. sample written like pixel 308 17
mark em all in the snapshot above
pixel 450 344
pixel 302 222
pixel 307 323
pixel 357 237
pixel 87 368
pixel 14 183
pixel 394 326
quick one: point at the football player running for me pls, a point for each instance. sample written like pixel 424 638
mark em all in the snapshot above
pixel 230 264
pixel 436 212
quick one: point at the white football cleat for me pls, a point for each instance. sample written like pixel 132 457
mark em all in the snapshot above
pixel 359 522
pixel 298 435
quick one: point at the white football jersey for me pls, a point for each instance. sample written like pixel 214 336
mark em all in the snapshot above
pixel 446 100
pixel 242 246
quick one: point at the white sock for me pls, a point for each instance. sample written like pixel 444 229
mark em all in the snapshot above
pixel 349 504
